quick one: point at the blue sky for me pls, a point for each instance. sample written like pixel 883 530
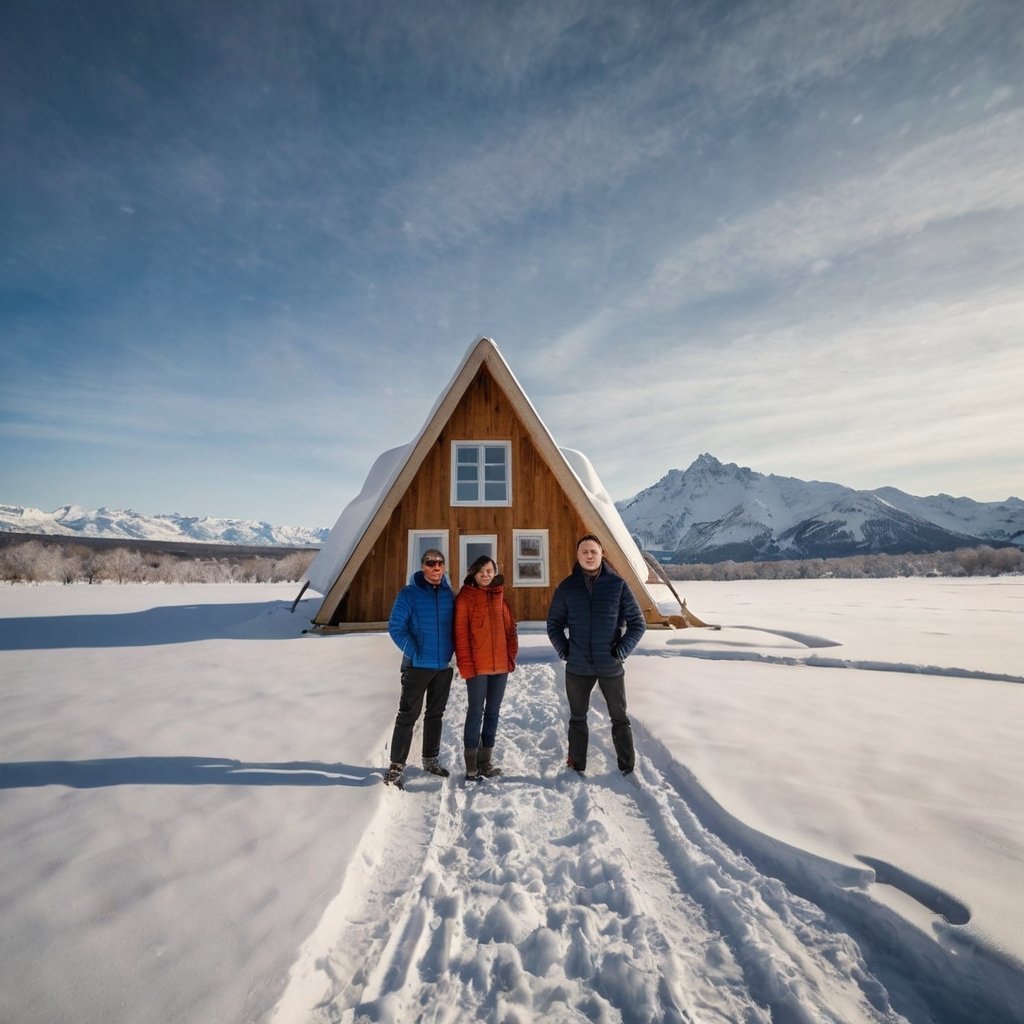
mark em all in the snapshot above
pixel 244 246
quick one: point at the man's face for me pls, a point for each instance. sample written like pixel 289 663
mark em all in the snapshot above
pixel 433 569
pixel 588 554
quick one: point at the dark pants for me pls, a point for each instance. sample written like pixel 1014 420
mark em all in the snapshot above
pixel 484 694
pixel 578 690
pixel 417 683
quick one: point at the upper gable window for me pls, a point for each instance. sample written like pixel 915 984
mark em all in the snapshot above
pixel 481 472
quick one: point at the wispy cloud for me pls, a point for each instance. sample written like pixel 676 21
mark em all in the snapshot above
pixel 598 134
pixel 898 392
pixel 800 233
pixel 774 49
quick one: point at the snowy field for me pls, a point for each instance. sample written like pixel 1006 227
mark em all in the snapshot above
pixel 827 822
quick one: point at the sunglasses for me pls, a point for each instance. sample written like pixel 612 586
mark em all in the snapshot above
pixel 433 563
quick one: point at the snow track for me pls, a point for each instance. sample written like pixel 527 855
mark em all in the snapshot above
pixel 545 895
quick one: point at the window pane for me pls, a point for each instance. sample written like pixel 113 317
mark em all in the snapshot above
pixel 467 473
pixel 469 455
pixel 494 455
pixel 530 570
pixel 424 542
pixel 494 473
pixel 466 492
pixel 474 549
pixel 495 492
pixel 529 547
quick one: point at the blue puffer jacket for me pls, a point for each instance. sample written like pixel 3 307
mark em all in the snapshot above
pixel 421 622
pixel 604 623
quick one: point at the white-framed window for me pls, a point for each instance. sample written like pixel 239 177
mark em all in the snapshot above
pixel 530 558
pixel 472 546
pixel 424 540
pixel 481 472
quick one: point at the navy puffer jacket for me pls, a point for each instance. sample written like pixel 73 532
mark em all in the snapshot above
pixel 604 622
pixel 421 622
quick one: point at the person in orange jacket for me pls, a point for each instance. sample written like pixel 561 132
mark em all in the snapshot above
pixel 486 644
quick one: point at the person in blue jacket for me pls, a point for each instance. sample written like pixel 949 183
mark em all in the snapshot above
pixel 594 623
pixel 421 625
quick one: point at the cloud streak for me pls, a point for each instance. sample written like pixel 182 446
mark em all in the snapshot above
pixel 928 185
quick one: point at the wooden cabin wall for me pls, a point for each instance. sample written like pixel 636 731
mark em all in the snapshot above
pixel 538 502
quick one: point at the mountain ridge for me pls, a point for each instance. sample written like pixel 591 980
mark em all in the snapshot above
pixel 127 524
pixel 714 511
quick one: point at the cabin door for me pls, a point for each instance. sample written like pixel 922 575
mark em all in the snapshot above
pixel 471 547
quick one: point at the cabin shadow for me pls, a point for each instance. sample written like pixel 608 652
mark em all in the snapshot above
pixel 174 624
pixel 181 771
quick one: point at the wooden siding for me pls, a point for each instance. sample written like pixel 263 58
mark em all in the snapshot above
pixel 484 413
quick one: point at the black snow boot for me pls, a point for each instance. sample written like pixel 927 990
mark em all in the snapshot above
pixel 432 765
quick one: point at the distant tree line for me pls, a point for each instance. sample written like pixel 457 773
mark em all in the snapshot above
pixel 35 561
pixel 979 561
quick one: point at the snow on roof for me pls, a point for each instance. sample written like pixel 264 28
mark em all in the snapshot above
pixel 354 520
pixel 602 502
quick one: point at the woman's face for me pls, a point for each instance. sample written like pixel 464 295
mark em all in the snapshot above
pixel 484 574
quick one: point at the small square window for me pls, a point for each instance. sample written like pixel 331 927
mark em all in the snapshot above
pixel 530 558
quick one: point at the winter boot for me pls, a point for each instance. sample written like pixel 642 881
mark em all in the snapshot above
pixel 487 770
pixel 393 776
pixel 431 764
pixel 472 769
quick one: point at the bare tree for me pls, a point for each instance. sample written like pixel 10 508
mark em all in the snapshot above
pixel 121 565
pixel 293 566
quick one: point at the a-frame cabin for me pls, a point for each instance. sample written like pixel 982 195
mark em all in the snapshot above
pixel 483 476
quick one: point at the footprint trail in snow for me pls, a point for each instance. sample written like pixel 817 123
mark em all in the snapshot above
pixel 544 895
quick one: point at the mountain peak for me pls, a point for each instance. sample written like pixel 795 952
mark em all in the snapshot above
pixel 715 511
pixel 707 467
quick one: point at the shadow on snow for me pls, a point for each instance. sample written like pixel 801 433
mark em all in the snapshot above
pixel 174 624
pixel 181 771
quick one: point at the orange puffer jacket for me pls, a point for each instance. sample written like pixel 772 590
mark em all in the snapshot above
pixel 486 641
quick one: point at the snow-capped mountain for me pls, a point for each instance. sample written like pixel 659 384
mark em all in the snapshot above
pixel 712 512
pixel 74 521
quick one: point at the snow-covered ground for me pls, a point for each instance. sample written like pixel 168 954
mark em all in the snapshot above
pixel 827 823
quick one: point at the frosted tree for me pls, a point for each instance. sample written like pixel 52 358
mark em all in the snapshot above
pixel 121 565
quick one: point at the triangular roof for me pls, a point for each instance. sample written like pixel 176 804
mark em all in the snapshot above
pixel 362 521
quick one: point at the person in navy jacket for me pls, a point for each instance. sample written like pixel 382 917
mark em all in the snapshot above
pixel 421 626
pixel 594 623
